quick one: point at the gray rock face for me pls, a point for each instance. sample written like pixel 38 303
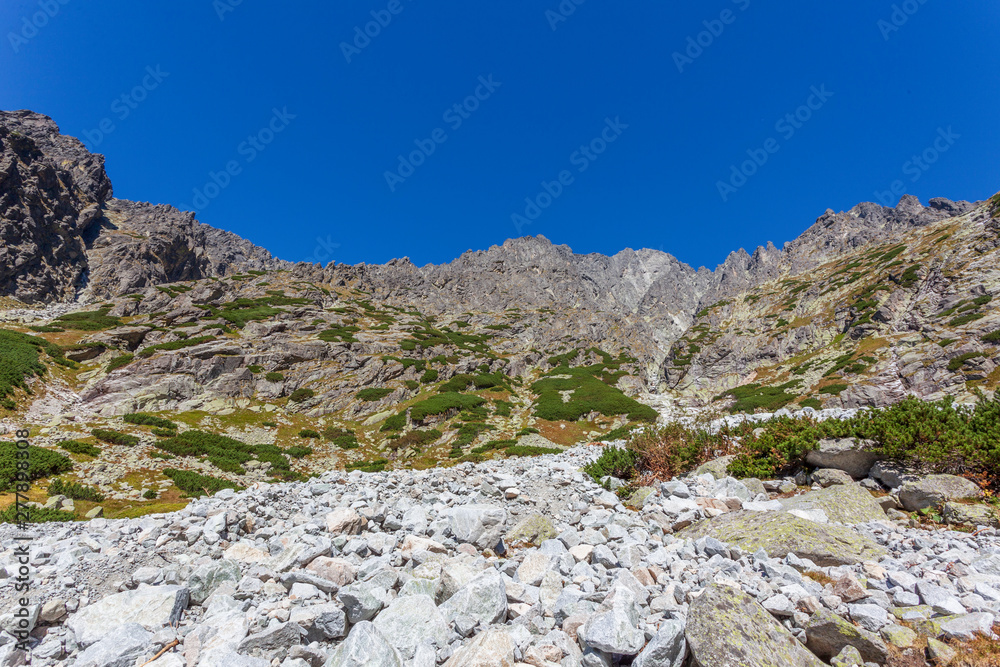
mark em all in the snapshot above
pixel 728 628
pixel 365 647
pixel 409 621
pixel 119 648
pixel 484 599
pixel 614 628
pixel 481 525
pixel 844 454
pixel 152 607
pixel 828 634
pixel 935 490
pixel 667 648
pixel 207 578
pixel 843 503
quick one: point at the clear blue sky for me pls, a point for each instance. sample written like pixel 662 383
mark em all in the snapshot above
pixel 323 175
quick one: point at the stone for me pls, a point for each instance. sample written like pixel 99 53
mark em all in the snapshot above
pixel 892 474
pixel 362 601
pixel 409 621
pixel 827 477
pixel 843 454
pixel 480 525
pixel 848 503
pixel 935 490
pixel 780 533
pixel 207 578
pixel 119 648
pixel 849 657
pixel 95 512
pixel 52 611
pixel 967 626
pixel 492 648
pixel 970 515
pixel 828 634
pixel 152 607
pixel 282 635
pixel 614 627
pixel 667 648
pixel 717 468
pixel 940 653
pixel 533 568
pixel 869 616
pixel 338 570
pixel 365 646
pixel 345 521
pixel 415 544
pixel 484 598
pixel 321 622
pixel 900 636
pixel 532 529
pixel 728 628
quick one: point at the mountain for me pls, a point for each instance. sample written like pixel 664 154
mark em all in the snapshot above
pixel 158 313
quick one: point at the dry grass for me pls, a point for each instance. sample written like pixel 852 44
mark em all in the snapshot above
pixel 819 577
pixel 980 652
pixel 672 450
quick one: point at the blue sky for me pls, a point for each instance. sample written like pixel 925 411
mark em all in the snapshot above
pixel 691 129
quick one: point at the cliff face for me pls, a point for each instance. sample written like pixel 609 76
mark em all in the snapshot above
pixel 62 232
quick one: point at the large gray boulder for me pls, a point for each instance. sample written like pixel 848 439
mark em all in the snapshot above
pixel 484 599
pixel 480 525
pixel 971 515
pixel 119 648
pixel 935 490
pixel 152 607
pixel 781 533
pixel 728 628
pixel 409 621
pixel 614 626
pixel 845 454
pixel 844 503
pixel 828 634
pixel 493 648
pixel 207 578
pixel 667 648
pixel 365 646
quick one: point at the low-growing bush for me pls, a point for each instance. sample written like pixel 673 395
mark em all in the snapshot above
pixel 20 361
pixel 115 437
pixel 120 362
pixel 162 432
pixel 442 403
pixel 75 447
pixel 415 439
pixel 751 397
pixel 373 394
pixel 41 463
pixel 150 494
pixel 225 453
pixel 298 451
pixel 34 515
pixel 143 419
pixel 174 345
pixel 430 375
pixel 590 393
pixel 614 461
pixel 529 450
pixel 394 423
pixel 309 433
pixel 75 491
pixel 300 395
pixel 274 377
pixel 341 437
pixel 90 321
pixel 527 431
pixel 197 485
pixel 378 465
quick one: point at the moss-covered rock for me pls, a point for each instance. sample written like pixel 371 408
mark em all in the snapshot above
pixel 533 529
pixel 780 533
pixel 716 468
pixel 845 503
pixel 828 634
pixel 725 626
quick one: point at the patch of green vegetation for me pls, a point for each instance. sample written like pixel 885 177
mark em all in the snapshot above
pixel 959 361
pixel 373 394
pixel 197 485
pixel 614 462
pixel 750 397
pixel 274 377
pixel 840 363
pixel 564 359
pixel 814 403
pixel 891 254
pixel 225 453
pixel 20 360
pixel 529 450
pixel 501 408
pixel 303 394
pixel 299 451
pixel 115 437
pixel 47 328
pixel 527 431
pixel 341 437
pixel 620 433
pixel 96 320
pixel 946 342
pixel 240 311
pixel 162 456
pixel 992 338
pixel 255 369
pixel 378 465
pixel 429 376
pixel 76 447
pixel 395 422
pixel 463 381
pixel 416 439
pixel 909 277
pixel 309 433
pixel 41 463
pixel 150 494
pixel 442 403
pixel 34 515
pixel 120 362
pixel 75 491
pixel 150 350
pixel 143 419
pixel 591 392
pixel 342 333
pixel 966 319
pixel 833 389
pixel 983 300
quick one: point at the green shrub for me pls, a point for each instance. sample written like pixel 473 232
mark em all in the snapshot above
pixel 527 431
pixel 966 319
pixel 620 433
pixel 526 450
pixel 163 432
pixel 411 384
pixel 75 491
pixel 162 456
pixel 300 395
pixel 344 334
pixel 270 424
pixel 992 338
pixel 47 328
pixel 198 485
pixel 20 361
pixel 614 461
pixel 298 451
pixel 750 397
pixel 394 423
pixel 120 362
pixel 834 389
pixel 91 321
pixel 255 369
pixel 150 350
pixel 501 408
pixel 814 403
pixel 378 465
pixel 225 453
pixel 150 494
pixel 309 433
pixel 34 515
pixel 442 403
pixel 373 394
pixel 343 438
pixel 115 437
pixel 274 377
pixel 590 394
pixel 415 439
pixel 959 361
pixel 143 419
pixel 430 375
pixel 41 463
pixel 79 448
